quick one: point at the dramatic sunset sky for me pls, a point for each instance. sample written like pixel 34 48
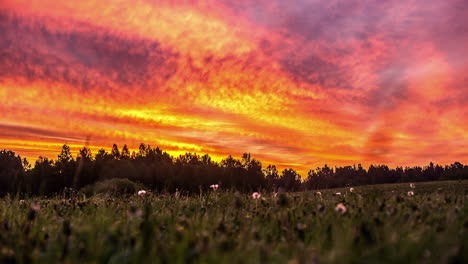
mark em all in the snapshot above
pixel 295 83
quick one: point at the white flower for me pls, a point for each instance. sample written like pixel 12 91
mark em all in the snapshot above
pixel 214 187
pixel 341 208
pixel 410 193
pixel 256 195
pixel 141 192
pixel 21 202
pixel 351 189
pixel 35 206
pixel 319 193
pixel 412 186
pixel 338 194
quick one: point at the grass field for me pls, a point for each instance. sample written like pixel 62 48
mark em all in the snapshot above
pixel 381 224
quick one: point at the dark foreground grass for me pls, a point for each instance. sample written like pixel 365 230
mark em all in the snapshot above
pixel 382 224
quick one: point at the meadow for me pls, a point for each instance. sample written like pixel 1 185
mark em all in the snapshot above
pixel 369 224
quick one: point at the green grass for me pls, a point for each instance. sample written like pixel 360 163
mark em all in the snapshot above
pixel 382 225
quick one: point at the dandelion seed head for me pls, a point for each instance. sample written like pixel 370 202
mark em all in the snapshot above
pixel 35 206
pixel 341 208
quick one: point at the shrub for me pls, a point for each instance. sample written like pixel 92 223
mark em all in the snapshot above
pixel 113 186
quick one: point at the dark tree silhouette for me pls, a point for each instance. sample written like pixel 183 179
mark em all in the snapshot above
pixel 125 154
pixel 65 166
pixel 11 172
pixel 191 172
pixel 271 177
pixel 115 153
pixel 290 180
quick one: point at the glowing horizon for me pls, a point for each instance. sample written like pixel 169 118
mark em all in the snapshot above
pixel 295 83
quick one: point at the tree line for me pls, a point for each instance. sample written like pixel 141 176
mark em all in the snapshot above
pixel 159 171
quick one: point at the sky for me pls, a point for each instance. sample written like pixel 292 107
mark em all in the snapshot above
pixel 295 83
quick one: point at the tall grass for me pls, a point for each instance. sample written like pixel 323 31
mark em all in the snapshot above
pixel 382 224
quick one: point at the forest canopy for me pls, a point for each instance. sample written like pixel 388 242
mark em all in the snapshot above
pixel 157 170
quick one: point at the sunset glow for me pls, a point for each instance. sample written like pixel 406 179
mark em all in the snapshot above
pixel 295 83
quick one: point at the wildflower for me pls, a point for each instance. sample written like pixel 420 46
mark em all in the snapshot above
pixel 338 193
pixel 410 193
pixel 319 193
pixel 256 195
pixel 340 208
pixel 351 189
pixel 35 206
pixel 22 202
pixel 214 187
pixel 412 186
pixel 141 192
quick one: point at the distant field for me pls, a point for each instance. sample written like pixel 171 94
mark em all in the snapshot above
pixel 381 224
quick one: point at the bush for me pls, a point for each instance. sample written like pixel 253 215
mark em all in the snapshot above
pixel 113 186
